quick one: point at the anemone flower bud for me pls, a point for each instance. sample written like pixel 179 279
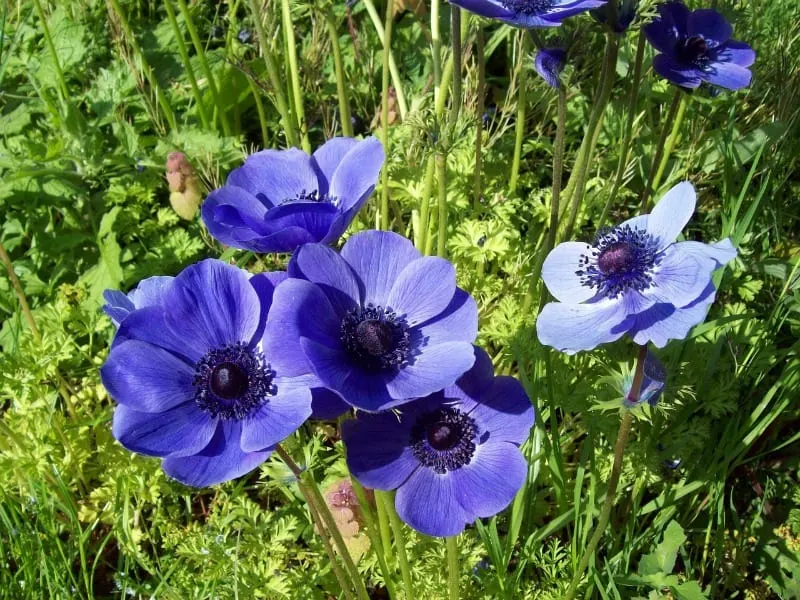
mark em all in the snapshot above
pixel 654 377
pixel 549 63
pixel 184 186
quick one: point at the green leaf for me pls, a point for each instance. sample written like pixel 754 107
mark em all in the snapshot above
pixel 662 560
pixel 690 590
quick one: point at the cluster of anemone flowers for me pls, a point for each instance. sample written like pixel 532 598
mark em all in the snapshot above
pixel 212 369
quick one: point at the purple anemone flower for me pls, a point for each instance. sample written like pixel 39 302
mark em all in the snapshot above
pixel 378 324
pixel 191 382
pixel 653 380
pixel 634 279
pixel 281 199
pixel 529 13
pixel 453 457
pixel 148 292
pixel 549 63
pixel 696 46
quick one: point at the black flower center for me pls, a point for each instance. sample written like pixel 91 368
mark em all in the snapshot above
pixel 528 7
pixel 230 382
pixel 444 439
pixel 621 259
pixel 693 50
pixel 375 337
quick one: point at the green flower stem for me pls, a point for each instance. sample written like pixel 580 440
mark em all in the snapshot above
pixel 201 55
pixel 374 536
pixel 341 85
pixel 396 82
pixel 633 98
pixel 593 131
pixel 48 39
pixel 294 73
pixel 262 115
pixel 613 480
pixel 421 234
pixel 317 502
pixel 662 141
pixel 441 183
pixel 341 576
pixel 383 525
pixel 455 40
pixel 147 71
pixel 187 64
pixel 436 51
pixel 452 567
pixel 387 49
pixel 274 77
pixel 670 145
pixel 522 101
pixel 476 183
pixel 387 498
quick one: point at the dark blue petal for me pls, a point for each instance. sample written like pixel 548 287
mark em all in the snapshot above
pixel 328 270
pixel 710 25
pixel 276 419
pixel 327 157
pixel 549 63
pixel 357 174
pixel 276 175
pixel 423 289
pixel 378 454
pixel 728 75
pixel 179 431
pixel 679 73
pixel 435 368
pixel 430 503
pixel 326 404
pixel 503 412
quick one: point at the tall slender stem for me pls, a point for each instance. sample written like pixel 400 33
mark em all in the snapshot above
pixel 436 50
pixel 613 480
pixel 402 105
pixel 441 182
pixel 201 55
pixel 633 98
pixel 670 145
pixel 452 567
pixel 455 41
pixel 62 82
pixel 387 46
pixel 476 183
pixel 662 140
pixel 294 73
pixel 522 101
pixel 338 65
pixel 341 576
pixel 374 536
pixel 425 203
pixel 274 76
pixel 399 541
pixel 316 501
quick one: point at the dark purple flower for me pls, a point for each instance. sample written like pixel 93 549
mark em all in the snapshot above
pixel 150 291
pixel 696 46
pixel 626 11
pixel 549 63
pixel 635 279
pixel 191 381
pixel 378 324
pixel 529 13
pixel 653 380
pixel 281 199
pixel 453 457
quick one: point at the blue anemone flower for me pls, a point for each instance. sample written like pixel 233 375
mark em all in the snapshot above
pixel 634 279
pixel 529 13
pixel 150 291
pixel 378 324
pixel 453 457
pixel 654 376
pixel 549 63
pixel 280 199
pixel 191 382
pixel 696 46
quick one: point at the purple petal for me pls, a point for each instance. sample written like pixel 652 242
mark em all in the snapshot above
pixel 150 325
pixel 150 291
pixel 458 322
pixel 672 213
pixel 721 252
pixel 357 174
pixel 264 284
pixel 681 276
pixel 146 378
pixel 328 156
pixel 571 328
pixel 728 75
pixel 488 484
pixel 299 309
pixel 378 454
pixel 736 52
pixel 220 461
pixel 423 290
pixel 324 267
pixel 664 322
pixel 485 8
pixel 276 419
pixel 676 72
pixel 234 216
pixel 276 175
pixel 559 272
pixel 213 303
pixel 378 258
pixel 300 223
pixel 710 25
pixel 367 391
pixel 117 306
pixel 435 368
pixel 671 25
pixel 480 377
pixel 504 412
pixel 327 405
pixel 429 503
pixel 331 365
pixel 549 63
pixel 180 431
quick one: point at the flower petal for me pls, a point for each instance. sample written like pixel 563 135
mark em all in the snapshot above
pixel 571 328
pixel 559 272
pixel 275 420
pixel 681 276
pixel 434 368
pixel 722 252
pixel 671 25
pixel 118 306
pixel 663 322
pixel 710 25
pixel 378 258
pixel 324 267
pixel 150 325
pixel 220 461
pixel 146 378
pixel 151 291
pixel 378 452
pixel 671 214
pixel 423 290
pixel 504 412
pixel 736 52
pixel 429 503
pixel 331 365
pixel 327 158
pixel 357 173
pixel 480 377
pixel 677 72
pixel 179 431
pixel 367 391
pixel 326 404
pixel 276 175
pixel 488 484
pixel 484 8
pixel 728 75
pixel 457 323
